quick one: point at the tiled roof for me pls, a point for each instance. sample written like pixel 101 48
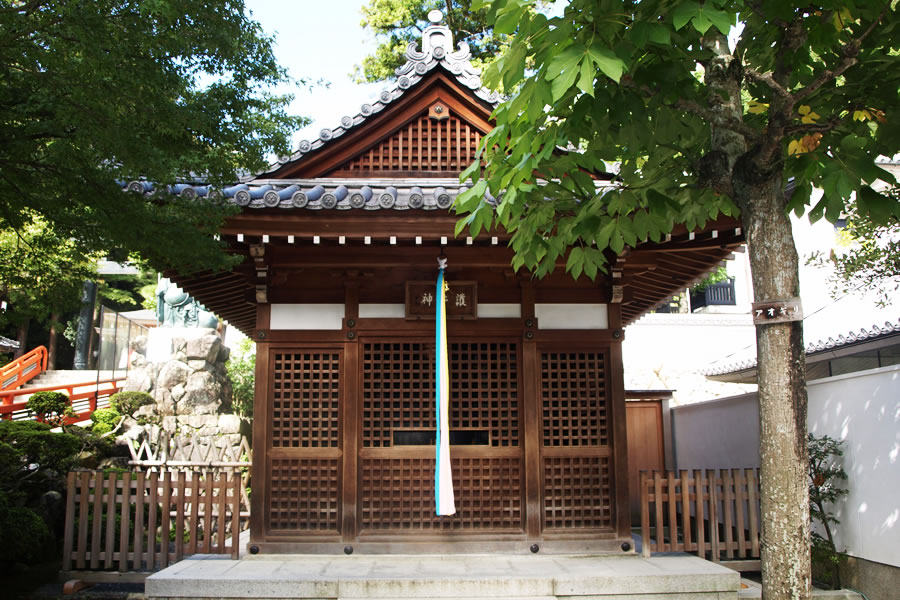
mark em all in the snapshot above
pixel 437 51
pixel 327 194
pixel 824 345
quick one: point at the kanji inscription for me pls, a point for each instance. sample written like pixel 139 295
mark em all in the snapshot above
pixel 462 300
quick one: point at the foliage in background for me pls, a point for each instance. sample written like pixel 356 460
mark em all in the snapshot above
pixel 717 276
pixel 396 23
pixel 50 407
pixel 241 367
pixel 826 476
pixel 869 259
pixel 113 90
pixel 41 271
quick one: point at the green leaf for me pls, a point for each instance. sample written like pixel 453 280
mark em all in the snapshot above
pixel 617 242
pixel 567 60
pixel 684 12
pixel 722 20
pixel 586 81
pixel 575 264
pixel 611 65
pixel 879 207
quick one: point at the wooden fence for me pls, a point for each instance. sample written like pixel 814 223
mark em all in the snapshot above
pixel 145 521
pixel 713 514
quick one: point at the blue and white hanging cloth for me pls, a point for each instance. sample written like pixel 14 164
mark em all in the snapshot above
pixel 443 477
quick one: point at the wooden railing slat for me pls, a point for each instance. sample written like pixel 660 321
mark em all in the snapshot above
pixel 645 514
pixel 207 514
pixel 179 517
pixel 674 544
pixel 166 509
pixel 125 505
pixel 740 497
pixel 97 479
pixel 140 491
pixel 753 505
pixel 660 545
pixel 111 484
pixel 686 511
pixel 713 482
pixel 699 485
pixel 152 524
pixel 222 486
pixel 83 508
pixel 728 509
pixel 236 514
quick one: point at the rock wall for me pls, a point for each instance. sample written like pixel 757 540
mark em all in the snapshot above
pixel 184 371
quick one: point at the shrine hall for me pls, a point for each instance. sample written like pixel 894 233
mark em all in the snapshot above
pixel 340 243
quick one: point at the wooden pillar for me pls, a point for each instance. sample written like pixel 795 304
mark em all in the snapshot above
pixel 531 410
pixel 259 470
pixel 617 405
pixel 349 403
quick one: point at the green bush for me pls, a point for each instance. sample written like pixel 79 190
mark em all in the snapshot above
pixel 38 445
pixel 126 403
pixel 24 536
pixel 51 407
pixel 105 420
pixel 241 367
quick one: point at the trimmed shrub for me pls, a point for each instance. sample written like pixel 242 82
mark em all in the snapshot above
pixel 126 403
pixel 38 445
pixel 105 420
pixel 51 407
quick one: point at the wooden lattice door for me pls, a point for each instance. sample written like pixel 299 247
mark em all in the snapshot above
pixel 576 443
pixel 304 442
pixel 396 454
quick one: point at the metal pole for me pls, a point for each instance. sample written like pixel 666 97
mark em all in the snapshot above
pixel 85 322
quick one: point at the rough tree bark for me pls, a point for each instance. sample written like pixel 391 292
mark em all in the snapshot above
pixel 752 176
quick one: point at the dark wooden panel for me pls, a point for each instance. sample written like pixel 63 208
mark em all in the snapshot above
pixel 398 494
pixel 577 492
pixel 303 494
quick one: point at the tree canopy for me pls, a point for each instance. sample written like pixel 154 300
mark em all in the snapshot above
pixel 624 83
pixel 694 127
pixel 93 94
pixel 396 23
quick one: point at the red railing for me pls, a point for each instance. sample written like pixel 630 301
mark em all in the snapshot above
pixel 84 398
pixel 23 369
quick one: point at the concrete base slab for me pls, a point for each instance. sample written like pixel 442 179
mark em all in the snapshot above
pixel 447 577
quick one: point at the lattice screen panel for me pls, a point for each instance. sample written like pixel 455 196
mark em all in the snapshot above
pixel 304 494
pixel 423 145
pixel 573 396
pixel 577 492
pixel 398 390
pixel 305 399
pixel 398 494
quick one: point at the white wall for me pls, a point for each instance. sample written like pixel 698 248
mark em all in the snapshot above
pixel 862 409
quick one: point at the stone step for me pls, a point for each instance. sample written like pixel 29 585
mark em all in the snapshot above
pixel 447 577
pixel 60 377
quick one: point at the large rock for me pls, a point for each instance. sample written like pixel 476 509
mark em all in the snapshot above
pixel 205 347
pixel 187 377
pixel 173 373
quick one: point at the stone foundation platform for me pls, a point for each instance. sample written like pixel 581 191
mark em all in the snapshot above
pixel 447 577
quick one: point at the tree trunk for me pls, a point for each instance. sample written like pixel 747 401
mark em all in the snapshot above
pixel 22 338
pixel 782 387
pixel 52 343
